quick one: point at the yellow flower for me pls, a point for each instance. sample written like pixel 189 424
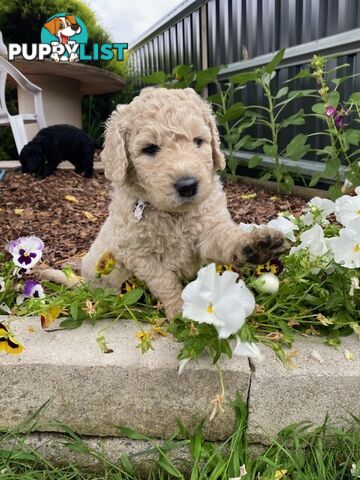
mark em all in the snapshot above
pixel 106 264
pixel 49 316
pixel 8 344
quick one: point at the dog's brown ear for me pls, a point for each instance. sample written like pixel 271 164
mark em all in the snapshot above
pixel 218 156
pixel 52 25
pixel 115 154
pixel 71 18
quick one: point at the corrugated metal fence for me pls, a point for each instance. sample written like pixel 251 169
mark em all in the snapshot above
pixel 207 33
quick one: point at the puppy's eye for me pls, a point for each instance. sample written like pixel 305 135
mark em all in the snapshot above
pixel 198 141
pixel 61 25
pixel 151 149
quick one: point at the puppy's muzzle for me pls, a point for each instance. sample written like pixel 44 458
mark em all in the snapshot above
pixel 186 186
pixel 74 26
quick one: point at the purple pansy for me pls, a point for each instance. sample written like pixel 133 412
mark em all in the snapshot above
pixel 339 122
pixel 330 111
pixel 33 289
pixel 26 251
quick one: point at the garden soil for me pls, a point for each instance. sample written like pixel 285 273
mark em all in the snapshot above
pixel 66 210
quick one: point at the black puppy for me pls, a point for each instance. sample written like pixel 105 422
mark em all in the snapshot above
pixel 54 144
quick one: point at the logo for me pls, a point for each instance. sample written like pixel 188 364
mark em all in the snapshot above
pixel 63 39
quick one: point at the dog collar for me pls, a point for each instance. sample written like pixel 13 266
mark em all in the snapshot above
pixel 138 209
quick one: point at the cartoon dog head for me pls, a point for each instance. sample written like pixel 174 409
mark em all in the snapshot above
pixel 63 27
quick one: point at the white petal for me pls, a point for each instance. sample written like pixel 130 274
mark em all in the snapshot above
pixel 247 349
pixel 199 314
pixel 327 206
pixel 182 364
pixel 285 226
pixel 20 299
pixel 247 298
pixel 224 282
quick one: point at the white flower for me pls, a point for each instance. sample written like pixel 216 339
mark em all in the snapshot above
pixel 267 283
pixel 246 349
pixel 354 286
pixel 346 247
pixel 182 364
pixel 285 226
pixel 218 300
pixel 248 227
pixel 355 471
pixel 313 240
pixel 26 251
pixel 242 472
pixel 319 209
pixel 2 284
pixel 5 308
pixel 347 209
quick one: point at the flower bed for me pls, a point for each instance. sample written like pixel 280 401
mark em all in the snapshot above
pixel 313 289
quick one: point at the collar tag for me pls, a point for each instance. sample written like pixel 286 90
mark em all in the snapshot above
pixel 139 210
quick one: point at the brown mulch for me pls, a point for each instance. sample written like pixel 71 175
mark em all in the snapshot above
pixel 29 206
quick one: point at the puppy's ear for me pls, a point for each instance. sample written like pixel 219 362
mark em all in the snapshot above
pixel 52 25
pixel 218 156
pixel 115 154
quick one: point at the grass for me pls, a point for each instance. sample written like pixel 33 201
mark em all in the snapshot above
pixel 299 452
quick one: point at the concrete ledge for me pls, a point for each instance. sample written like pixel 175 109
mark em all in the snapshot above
pixel 94 393
pixel 322 382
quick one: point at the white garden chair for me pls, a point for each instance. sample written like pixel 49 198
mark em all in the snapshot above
pixel 17 122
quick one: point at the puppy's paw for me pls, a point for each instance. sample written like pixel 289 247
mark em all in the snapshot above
pixel 264 244
pixel 172 309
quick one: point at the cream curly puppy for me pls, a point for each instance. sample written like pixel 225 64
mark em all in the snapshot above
pixel 168 214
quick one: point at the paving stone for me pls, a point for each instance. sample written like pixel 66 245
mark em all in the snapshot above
pixel 322 383
pixel 94 393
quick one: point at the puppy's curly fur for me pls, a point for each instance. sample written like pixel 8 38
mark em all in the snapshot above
pixel 177 234
pixel 54 144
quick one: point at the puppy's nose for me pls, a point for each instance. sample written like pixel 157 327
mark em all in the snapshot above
pixel 186 186
pixel 74 26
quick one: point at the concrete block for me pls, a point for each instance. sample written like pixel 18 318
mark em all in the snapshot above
pixel 322 383
pixel 94 393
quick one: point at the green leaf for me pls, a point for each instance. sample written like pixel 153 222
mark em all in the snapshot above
pixel 295 119
pixel 254 161
pixel 270 67
pixel 270 150
pixel 204 77
pixel 315 179
pixel 252 143
pixel 156 78
pixel 318 108
pixel 70 323
pixel 242 78
pixel 352 136
pixel 129 298
pixel 283 91
pixel 132 434
pixel 332 167
pixel 355 98
pixel 265 177
pixel 216 98
pixel 334 99
pixel 74 311
pixel 297 148
pixel 182 70
pixel 170 469
pixel 304 73
pixel 335 192
pixel 301 93
pixel 233 112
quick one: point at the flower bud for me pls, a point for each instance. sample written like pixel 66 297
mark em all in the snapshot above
pixel 267 283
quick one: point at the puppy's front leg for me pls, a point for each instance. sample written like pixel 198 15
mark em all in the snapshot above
pixel 163 283
pixel 226 243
